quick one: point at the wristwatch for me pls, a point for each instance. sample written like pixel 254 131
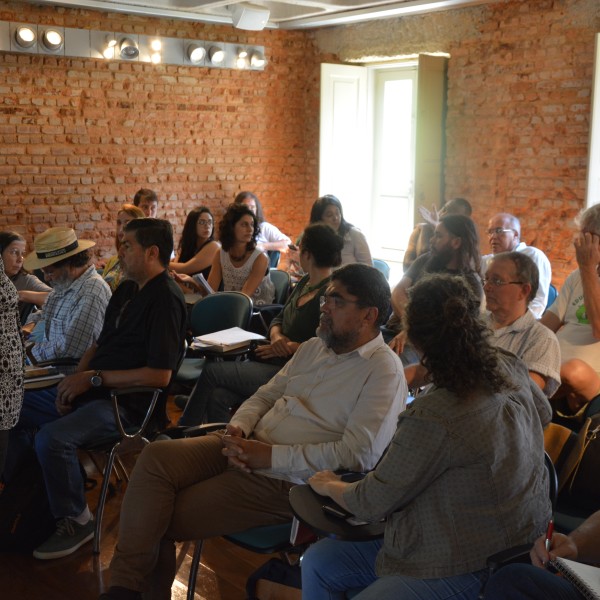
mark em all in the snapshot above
pixel 96 379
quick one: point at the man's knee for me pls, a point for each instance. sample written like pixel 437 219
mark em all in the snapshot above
pixel 574 372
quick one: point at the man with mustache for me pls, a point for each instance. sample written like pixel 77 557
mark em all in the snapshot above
pixel 333 406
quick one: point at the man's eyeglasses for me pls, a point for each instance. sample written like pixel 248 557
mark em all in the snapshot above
pixel 499 283
pixel 335 301
pixel 204 222
pixel 499 231
pixel 16 252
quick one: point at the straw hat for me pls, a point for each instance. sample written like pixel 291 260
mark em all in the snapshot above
pixel 54 245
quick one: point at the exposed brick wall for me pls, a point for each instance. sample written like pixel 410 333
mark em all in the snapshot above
pixel 519 84
pixel 78 137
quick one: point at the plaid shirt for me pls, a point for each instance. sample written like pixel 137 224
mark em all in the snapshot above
pixel 73 317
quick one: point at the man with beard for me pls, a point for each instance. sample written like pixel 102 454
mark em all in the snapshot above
pixel 139 345
pixel 333 406
pixel 454 249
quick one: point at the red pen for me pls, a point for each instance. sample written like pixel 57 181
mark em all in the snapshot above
pixel 549 533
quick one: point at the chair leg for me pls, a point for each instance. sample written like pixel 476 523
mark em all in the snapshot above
pixel 102 498
pixel 194 570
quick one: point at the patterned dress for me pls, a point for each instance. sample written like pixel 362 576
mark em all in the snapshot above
pixel 234 279
pixel 12 354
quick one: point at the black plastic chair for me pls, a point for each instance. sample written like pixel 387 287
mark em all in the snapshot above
pixel 218 311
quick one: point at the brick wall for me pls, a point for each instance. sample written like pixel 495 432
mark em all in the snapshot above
pixel 78 137
pixel 519 85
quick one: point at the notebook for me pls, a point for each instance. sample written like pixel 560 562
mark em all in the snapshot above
pixel 225 340
pixel 584 577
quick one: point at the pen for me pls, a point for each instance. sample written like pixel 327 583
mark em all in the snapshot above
pixel 549 533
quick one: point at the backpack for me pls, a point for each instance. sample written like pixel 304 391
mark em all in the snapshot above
pixel 25 517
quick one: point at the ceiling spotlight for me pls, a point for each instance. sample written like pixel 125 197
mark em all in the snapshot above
pixel 109 48
pixel 216 55
pixel 128 49
pixel 155 58
pixel 195 53
pixel 25 37
pixel 242 61
pixel 156 45
pixel 53 40
pixel 258 60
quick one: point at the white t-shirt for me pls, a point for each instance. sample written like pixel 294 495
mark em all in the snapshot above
pixel 575 336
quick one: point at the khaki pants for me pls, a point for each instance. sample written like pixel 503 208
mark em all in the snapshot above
pixel 184 490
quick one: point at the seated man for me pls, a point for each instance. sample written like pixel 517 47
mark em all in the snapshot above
pixel 74 310
pixel 504 232
pixel 510 286
pixel 534 582
pixel 140 343
pixel 334 405
pixel 575 318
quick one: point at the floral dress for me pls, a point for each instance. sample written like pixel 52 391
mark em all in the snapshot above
pixel 12 355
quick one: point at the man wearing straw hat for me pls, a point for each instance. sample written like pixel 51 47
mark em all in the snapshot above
pixel 74 310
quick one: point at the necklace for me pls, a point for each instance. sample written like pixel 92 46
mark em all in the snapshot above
pixel 237 258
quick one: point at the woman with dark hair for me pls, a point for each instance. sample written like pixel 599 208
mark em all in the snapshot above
pixel 197 246
pixel 328 209
pixel 112 270
pixel 269 237
pixel 32 291
pixel 320 253
pixel 463 477
pixel 239 265
pixel 12 361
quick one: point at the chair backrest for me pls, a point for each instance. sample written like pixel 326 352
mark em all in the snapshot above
pixel 281 281
pixel 552 294
pixel 382 266
pixel 221 310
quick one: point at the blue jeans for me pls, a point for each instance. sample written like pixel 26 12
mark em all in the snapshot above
pixel 224 385
pixel 56 440
pixel 331 568
pixel 526 582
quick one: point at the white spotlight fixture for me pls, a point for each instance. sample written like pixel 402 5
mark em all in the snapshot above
pixel 25 37
pixel 109 48
pixel 156 45
pixel 257 60
pixel 53 40
pixel 128 49
pixel 216 55
pixel 242 58
pixel 195 53
pixel 155 58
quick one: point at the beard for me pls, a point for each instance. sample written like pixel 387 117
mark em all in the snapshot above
pixel 439 259
pixel 340 343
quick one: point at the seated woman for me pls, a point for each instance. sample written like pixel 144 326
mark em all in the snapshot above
pixel 328 209
pixel 112 270
pixel 197 247
pixel 32 291
pixel 463 477
pixel 225 385
pixel 239 265
pixel 269 238
pixel 575 318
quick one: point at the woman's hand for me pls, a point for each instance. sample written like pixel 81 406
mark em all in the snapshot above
pixel 398 342
pixel 562 545
pixel 320 482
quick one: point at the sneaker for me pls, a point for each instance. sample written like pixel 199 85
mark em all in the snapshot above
pixel 68 537
pixel 181 401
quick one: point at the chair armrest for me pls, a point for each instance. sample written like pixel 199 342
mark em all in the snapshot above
pixel 66 361
pixel 199 430
pixel 516 554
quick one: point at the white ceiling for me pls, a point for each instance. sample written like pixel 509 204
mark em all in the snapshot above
pixel 285 14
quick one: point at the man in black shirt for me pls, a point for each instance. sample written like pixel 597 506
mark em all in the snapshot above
pixel 140 343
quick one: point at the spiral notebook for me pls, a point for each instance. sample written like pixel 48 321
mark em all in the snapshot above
pixel 584 577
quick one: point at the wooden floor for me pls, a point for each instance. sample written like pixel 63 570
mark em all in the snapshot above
pixel 83 575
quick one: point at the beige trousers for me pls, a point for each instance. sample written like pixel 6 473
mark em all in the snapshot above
pixel 184 490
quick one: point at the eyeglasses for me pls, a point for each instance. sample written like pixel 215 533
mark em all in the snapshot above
pixel 499 283
pixel 337 301
pixel 17 252
pixel 204 222
pixel 499 231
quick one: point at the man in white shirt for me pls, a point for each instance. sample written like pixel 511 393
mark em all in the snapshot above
pixel 504 233
pixel 334 405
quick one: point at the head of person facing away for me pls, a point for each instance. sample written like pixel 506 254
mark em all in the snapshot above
pixel 146 248
pixel 147 200
pixel 322 244
pixel 443 322
pixel 510 284
pixel 504 233
pixel 354 306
